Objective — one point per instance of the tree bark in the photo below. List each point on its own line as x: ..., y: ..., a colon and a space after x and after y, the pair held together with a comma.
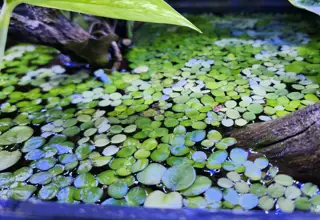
x: 292, y: 142
x: 51, y: 28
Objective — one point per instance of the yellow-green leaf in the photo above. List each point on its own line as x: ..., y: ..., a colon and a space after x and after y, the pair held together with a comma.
x: 310, y: 5
x: 156, y: 11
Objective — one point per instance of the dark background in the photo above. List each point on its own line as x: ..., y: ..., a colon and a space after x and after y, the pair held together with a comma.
x: 223, y: 6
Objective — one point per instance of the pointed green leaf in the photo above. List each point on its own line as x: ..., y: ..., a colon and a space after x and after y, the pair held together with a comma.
x: 156, y: 11
x: 310, y: 5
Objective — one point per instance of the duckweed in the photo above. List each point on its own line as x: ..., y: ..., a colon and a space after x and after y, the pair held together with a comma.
x: 157, y: 136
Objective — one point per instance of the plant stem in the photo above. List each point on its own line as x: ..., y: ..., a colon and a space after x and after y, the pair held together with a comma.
x: 5, y: 15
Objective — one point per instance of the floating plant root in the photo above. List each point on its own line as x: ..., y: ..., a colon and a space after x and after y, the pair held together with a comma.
x: 51, y: 28
x: 291, y: 142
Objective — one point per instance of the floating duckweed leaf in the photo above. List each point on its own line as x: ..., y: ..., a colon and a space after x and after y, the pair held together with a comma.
x: 216, y: 159
x: 71, y: 131
x: 248, y: 201
x: 161, y: 153
x: 302, y: 203
x: 85, y: 180
x: 22, y: 174
x: 253, y: 172
x: 255, y: 108
x: 136, y: 196
x: 225, y: 143
x: 195, y: 202
x: 179, y: 130
x: 238, y: 155
x: 45, y: 163
x: 83, y: 151
x: 225, y: 183
x: 119, y: 138
x: 139, y: 165
x: 71, y: 165
x: 283, y: 179
x: 233, y: 114
x: 200, y: 185
x: 207, y: 143
x: 48, y: 192
x: 152, y: 174
x: 107, y: 177
x: 171, y: 122
x: 309, y: 189
x: 149, y: 144
x: 295, y: 96
x: 276, y: 190
x: 258, y: 189
x: 261, y: 162
x: 231, y: 196
x: 8, y: 159
x: 198, y: 135
x: 234, y: 176
x: 110, y: 150
x: 22, y: 193
x: 241, y: 187
x: 90, y: 132
x: 286, y: 205
x: 115, y: 202
x: 266, y: 203
x: 143, y: 122
x: 230, y: 104
x: 115, y: 129
x: 214, y: 135
x: 118, y: 190
x: 158, y: 199
x: 227, y: 122
x: 100, y: 161
x: 179, y: 177
x: 67, y: 158
x: 84, y: 166
x: 213, y: 195
x: 292, y: 192
x: 16, y: 135
x: 249, y: 116
x: 241, y: 122
x: 33, y: 143
x: 6, y: 179
x: 130, y: 129
x: 229, y: 166
x: 141, y: 154
x: 199, y: 156
x: 273, y: 171
x: 315, y: 200
x: 41, y: 178
x: 70, y: 123
x: 91, y: 194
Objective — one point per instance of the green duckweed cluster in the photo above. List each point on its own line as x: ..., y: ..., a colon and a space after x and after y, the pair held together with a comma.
x: 154, y: 136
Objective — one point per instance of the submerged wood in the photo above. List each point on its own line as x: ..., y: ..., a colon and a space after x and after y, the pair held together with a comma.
x: 51, y: 28
x: 291, y: 142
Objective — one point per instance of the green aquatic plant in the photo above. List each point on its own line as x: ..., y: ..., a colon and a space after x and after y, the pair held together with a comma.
x: 157, y: 136
x: 140, y: 10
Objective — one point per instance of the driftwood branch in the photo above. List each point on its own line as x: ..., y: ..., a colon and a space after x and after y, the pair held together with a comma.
x: 291, y: 142
x: 50, y: 27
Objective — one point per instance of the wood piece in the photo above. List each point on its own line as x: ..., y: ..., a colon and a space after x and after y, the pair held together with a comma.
x: 51, y: 28
x: 291, y: 142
